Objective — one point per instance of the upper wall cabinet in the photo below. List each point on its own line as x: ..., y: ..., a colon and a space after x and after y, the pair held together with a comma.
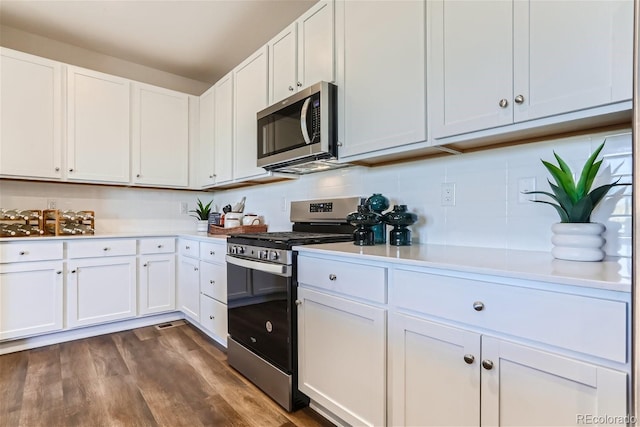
x: 495, y: 63
x: 223, y: 130
x: 98, y: 130
x: 206, y: 170
x: 303, y: 53
x: 30, y: 120
x: 160, y: 137
x: 380, y: 73
x: 250, y: 96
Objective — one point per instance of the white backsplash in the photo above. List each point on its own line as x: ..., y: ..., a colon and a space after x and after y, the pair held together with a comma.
x: 487, y: 212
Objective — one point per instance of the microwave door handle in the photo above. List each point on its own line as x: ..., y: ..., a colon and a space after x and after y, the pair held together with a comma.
x: 303, y: 121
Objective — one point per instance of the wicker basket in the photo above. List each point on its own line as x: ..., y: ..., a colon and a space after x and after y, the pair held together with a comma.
x: 214, y: 229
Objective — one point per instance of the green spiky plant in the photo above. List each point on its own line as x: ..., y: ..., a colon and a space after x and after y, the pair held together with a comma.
x: 575, y: 201
x: 202, y: 211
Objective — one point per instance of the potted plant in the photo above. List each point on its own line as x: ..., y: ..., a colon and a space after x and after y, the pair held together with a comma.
x: 201, y: 213
x: 575, y: 237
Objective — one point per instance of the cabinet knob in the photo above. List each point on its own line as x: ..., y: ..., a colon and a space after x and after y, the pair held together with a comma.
x: 291, y: 88
x: 298, y: 302
x: 210, y: 176
x: 478, y: 306
x: 23, y: 252
x: 212, y: 252
x: 339, y: 144
x: 195, y: 268
x: 73, y: 271
x: 71, y: 170
x: 299, y: 84
x: 332, y: 277
x: 187, y: 247
x: 57, y: 169
x: 487, y: 364
x: 503, y: 103
x: 159, y: 246
x: 105, y: 249
x: 58, y: 272
x: 145, y: 264
x: 211, y: 317
x: 137, y: 175
x: 213, y: 282
x: 468, y: 358
x: 519, y: 99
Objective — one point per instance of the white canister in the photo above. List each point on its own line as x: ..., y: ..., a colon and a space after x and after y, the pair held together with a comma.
x: 251, y: 219
x: 232, y: 219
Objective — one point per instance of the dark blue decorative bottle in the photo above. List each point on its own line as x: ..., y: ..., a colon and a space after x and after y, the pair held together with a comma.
x: 378, y: 203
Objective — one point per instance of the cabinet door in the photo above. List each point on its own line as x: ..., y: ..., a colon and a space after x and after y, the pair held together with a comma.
x: 30, y: 113
x: 189, y: 287
x: 31, y: 298
x: 214, y: 318
x: 213, y: 280
x: 160, y: 137
x: 380, y: 64
x: 206, y: 166
x: 341, y: 356
x: 471, y: 65
x: 282, y: 64
x: 157, y: 284
x: 525, y: 386
x: 97, y: 127
x: 316, y: 45
x: 571, y: 55
x: 435, y: 373
x: 100, y: 290
x: 223, y: 130
x: 250, y: 96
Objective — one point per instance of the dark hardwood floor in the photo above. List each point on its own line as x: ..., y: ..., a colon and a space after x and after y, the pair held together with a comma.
x: 144, y: 377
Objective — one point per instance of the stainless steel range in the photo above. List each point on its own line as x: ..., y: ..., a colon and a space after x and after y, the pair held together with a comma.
x: 262, y: 290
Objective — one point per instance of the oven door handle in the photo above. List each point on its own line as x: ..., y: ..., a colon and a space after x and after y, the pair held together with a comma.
x: 277, y: 269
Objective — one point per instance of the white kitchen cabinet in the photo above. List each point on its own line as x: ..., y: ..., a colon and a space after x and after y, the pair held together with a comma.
x: 495, y: 63
x: 31, y: 116
x: 213, y: 289
x: 213, y: 318
x: 223, y: 130
x: 160, y: 155
x: 206, y: 160
x: 380, y: 74
x: 303, y: 53
x: 100, y: 290
x: 189, y: 278
x: 157, y: 283
x: 250, y: 95
x: 98, y: 127
x: 31, y: 298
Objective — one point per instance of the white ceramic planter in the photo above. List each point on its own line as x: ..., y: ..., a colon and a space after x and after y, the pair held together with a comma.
x: 202, y: 225
x: 578, y: 241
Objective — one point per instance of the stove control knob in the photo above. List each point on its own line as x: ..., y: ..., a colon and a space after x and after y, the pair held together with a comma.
x: 273, y: 255
x: 263, y: 254
x: 240, y: 250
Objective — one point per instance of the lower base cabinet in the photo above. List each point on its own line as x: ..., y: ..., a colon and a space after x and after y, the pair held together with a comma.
x: 189, y: 287
x: 31, y: 298
x: 444, y: 375
x: 101, y: 290
x: 213, y: 317
x: 157, y: 283
x: 342, y: 356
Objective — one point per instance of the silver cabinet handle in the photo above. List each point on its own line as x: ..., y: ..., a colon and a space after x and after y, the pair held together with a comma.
x: 503, y: 103
x: 211, y: 317
x: 333, y: 277
x: 213, y: 282
x: 291, y: 88
x: 487, y: 364
x: 210, y: 176
x: 298, y: 302
x: 212, y: 253
x: 57, y: 169
x: 519, y: 99
x: 299, y: 84
x: 187, y: 247
x: 468, y: 358
x: 478, y: 306
x: 195, y: 268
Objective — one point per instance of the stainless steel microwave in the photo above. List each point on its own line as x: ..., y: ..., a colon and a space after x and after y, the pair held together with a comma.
x: 298, y: 134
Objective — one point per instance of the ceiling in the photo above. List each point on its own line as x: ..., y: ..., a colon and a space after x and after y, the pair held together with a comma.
x: 200, y: 40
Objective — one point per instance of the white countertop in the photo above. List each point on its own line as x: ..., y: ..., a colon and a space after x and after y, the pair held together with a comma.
x: 190, y: 234
x: 611, y: 274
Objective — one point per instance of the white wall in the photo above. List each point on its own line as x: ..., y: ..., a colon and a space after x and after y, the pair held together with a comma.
x: 487, y: 212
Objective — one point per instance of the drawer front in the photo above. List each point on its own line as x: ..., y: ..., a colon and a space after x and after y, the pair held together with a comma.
x: 189, y: 248
x: 214, y: 252
x: 101, y: 248
x: 213, y: 315
x: 357, y: 280
x: 157, y: 245
x: 213, y: 280
x: 583, y: 324
x: 30, y: 251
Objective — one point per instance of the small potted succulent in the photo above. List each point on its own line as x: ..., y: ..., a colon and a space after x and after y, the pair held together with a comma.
x: 201, y: 213
x: 575, y: 237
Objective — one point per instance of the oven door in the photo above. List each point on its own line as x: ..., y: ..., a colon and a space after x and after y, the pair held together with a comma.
x: 259, y: 300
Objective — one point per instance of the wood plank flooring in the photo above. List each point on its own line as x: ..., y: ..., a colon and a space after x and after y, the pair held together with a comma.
x: 144, y: 377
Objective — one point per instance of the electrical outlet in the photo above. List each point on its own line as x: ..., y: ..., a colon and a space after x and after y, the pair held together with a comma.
x: 448, y: 194
x: 52, y: 204
x: 184, y: 208
x: 525, y: 185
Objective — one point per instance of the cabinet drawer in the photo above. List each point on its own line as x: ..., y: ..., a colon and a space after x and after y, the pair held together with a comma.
x: 157, y: 245
x: 357, y: 280
x: 30, y: 251
x: 213, y: 251
x: 213, y: 280
x: 189, y: 248
x: 101, y: 248
x: 583, y: 324
x: 213, y: 316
